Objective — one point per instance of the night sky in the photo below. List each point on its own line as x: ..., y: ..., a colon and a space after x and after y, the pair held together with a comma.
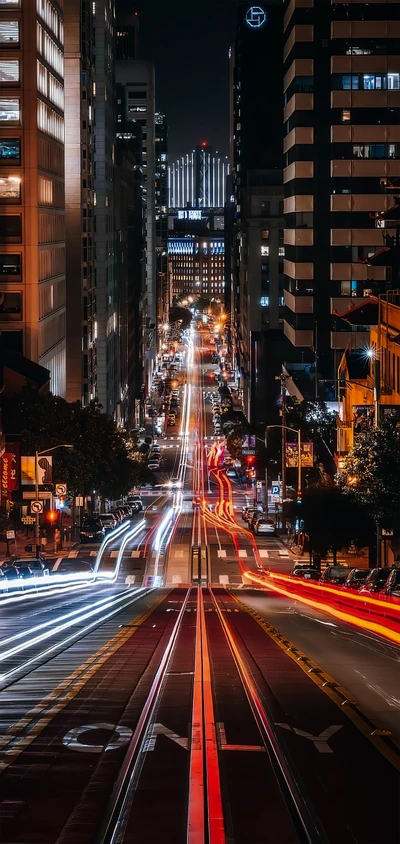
x: 188, y: 40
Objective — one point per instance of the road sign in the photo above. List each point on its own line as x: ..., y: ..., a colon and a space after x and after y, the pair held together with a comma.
x: 275, y: 489
x: 10, y: 534
x: 28, y: 520
x: 36, y: 507
x: 61, y: 489
x: 387, y: 532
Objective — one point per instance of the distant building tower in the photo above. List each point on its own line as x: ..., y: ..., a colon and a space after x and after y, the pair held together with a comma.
x: 198, y: 179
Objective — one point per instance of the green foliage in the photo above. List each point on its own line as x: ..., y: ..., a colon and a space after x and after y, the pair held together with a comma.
x: 234, y: 443
x: 317, y: 424
x: 371, y: 473
x: 102, y: 458
x: 333, y: 520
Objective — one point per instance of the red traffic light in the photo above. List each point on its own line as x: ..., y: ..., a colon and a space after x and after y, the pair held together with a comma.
x: 51, y: 516
x: 250, y: 458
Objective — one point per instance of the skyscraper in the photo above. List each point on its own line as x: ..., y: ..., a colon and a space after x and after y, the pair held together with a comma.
x: 342, y: 142
x: 198, y: 179
x: 32, y: 207
x: 79, y: 200
x: 161, y: 214
x: 254, y: 211
x: 137, y: 78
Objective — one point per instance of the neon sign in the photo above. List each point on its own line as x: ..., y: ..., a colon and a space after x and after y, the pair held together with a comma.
x: 256, y: 17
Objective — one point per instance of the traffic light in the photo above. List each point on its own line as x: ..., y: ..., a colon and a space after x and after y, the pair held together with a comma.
x: 250, y: 459
x: 51, y: 516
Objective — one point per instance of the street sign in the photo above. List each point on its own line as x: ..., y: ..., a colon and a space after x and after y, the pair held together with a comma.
x: 28, y: 520
x: 61, y: 489
x: 36, y: 507
x: 10, y: 534
x: 275, y: 489
x: 387, y: 532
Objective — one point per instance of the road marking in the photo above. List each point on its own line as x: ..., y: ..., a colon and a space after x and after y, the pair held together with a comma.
x: 120, y: 736
x: 73, y: 554
x: 263, y: 552
x: 130, y: 579
x: 283, y: 553
x: 221, y: 553
x: 224, y: 579
x: 93, y: 554
x: 114, y: 554
x: 223, y: 744
x: 135, y: 554
x: 242, y: 553
x: 61, y: 696
x: 321, y: 741
x: 179, y: 553
x: 160, y: 730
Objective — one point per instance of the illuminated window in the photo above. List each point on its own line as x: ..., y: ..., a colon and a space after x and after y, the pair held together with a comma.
x: 9, y: 71
x: 265, y: 234
x: 9, y: 110
x: 264, y: 301
x: 264, y: 251
x: 9, y: 33
x: 281, y: 252
x: 10, y: 189
x: 9, y: 150
x: 393, y: 81
x: 346, y: 116
x: 10, y: 264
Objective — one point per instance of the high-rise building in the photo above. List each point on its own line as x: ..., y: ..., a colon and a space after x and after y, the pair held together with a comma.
x: 198, y: 179
x: 79, y: 200
x: 32, y: 207
x: 196, y: 253
x: 254, y: 213
x: 342, y: 143
x: 137, y: 78
x: 161, y: 213
x: 103, y: 334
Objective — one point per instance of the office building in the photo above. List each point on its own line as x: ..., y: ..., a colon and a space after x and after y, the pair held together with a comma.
x: 196, y: 253
x: 80, y: 89
x: 161, y: 214
x: 198, y: 179
x: 254, y: 209
x: 137, y: 77
x: 342, y: 144
x: 32, y: 206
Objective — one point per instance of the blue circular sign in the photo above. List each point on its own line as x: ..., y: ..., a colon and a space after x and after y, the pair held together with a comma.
x: 256, y: 17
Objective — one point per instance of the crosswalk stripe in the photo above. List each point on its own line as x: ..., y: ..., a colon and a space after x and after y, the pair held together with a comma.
x: 264, y: 553
x: 135, y: 554
x: 243, y: 553
x: 221, y: 553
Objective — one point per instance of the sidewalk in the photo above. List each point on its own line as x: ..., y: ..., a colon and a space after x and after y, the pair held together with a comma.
x: 353, y: 561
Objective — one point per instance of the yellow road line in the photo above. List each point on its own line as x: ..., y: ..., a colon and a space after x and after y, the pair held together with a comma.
x: 337, y: 693
x: 65, y: 692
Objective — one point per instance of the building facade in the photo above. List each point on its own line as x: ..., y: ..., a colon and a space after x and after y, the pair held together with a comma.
x: 342, y: 136
x: 196, y: 253
x: 254, y: 209
x: 198, y: 179
x: 137, y: 77
x: 161, y: 214
x: 32, y: 203
x: 79, y: 201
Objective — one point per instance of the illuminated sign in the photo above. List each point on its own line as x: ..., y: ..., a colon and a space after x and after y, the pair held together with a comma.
x: 189, y: 215
x: 256, y: 17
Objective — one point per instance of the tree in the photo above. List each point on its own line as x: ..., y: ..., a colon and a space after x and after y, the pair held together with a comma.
x: 371, y: 472
x: 234, y: 443
x: 318, y: 425
x: 100, y: 459
x: 333, y: 520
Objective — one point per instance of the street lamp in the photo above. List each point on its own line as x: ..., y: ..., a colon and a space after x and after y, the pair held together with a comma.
x: 298, y: 432
x: 37, y: 455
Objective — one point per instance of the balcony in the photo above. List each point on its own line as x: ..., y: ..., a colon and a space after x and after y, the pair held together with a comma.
x: 299, y: 304
x: 298, y: 337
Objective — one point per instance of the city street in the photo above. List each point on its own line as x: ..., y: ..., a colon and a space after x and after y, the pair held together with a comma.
x: 166, y: 679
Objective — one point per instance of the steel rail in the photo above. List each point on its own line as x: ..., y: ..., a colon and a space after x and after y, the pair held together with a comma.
x: 303, y: 816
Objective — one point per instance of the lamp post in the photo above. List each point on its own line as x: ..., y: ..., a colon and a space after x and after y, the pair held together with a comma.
x: 37, y: 455
x: 298, y: 432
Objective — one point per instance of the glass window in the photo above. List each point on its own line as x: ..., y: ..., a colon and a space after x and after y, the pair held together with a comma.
x: 264, y: 301
x: 9, y: 3
x: 346, y: 116
x: 281, y: 252
x: 265, y: 206
x: 10, y: 189
x: 10, y: 303
x: 369, y: 82
x: 345, y: 289
x: 9, y: 71
x: 10, y: 228
x: 9, y: 150
x: 265, y: 234
x: 10, y: 264
x: 350, y: 82
x: 9, y: 33
x: 264, y: 251
x: 9, y: 110
x: 393, y: 80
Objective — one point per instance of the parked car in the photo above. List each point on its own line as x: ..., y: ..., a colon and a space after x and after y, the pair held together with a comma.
x: 298, y: 567
x: 248, y: 511
x: 231, y: 473
x: 108, y: 521
x: 91, y: 530
x: 171, y: 420
x: 264, y: 526
x: 13, y: 575
x: 335, y: 575
x: 356, y: 578
x: 392, y: 587
x: 376, y: 581
x: 154, y: 465
x: 307, y: 573
x: 135, y: 502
